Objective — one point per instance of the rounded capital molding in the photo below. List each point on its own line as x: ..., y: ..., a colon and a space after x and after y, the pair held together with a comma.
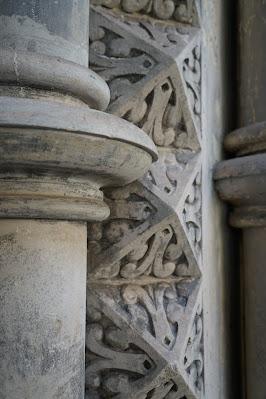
x: 55, y: 158
x: 241, y: 181
x: 247, y: 140
x: 55, y: 115
x: 58, y: 148
x: 25, y: 68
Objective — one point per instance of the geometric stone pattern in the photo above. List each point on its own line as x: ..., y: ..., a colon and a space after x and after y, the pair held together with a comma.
x: 141, y: 343
x: 176, y: 10
x: 144, y: 311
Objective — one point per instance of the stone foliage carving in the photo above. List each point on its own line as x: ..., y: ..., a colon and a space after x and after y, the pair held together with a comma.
x: 178, y: 10
x: 144, y: 313
x: 193, y: 359
x: 116, y: 57
x: 173, y: 173
x: 147, y: 86
x: 160, y: 114
x: 137, y: 341
x: 142, y: 238
x: 168, y: 38
x: 192, y: 213
x: 192, y: 76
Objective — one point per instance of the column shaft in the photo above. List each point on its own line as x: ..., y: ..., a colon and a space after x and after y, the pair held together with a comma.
x: 42, y: 309
x: 51, y: 27
x: 252, y: 98
x: 254, y: 290
x: 251, y: 61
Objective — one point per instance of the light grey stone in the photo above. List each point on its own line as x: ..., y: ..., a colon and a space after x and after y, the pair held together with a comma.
x: 42, y: 309
x: 60, y: 28
x: 31, y: 69
x: 56, y: 155
x: 157, y: 91
x: 144, y: 311
x: 220, y: 276
x: 141, y: 343
x: 182, y: 11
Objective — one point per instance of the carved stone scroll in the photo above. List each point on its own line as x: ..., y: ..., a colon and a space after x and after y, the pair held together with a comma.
x: 177, y: 10
x: 148, y: 87
x: 144, y: 311
x: 140, y: 341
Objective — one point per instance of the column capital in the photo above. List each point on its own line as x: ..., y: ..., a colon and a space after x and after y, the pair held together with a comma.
x: 241, y: 181
x: 55, y: 157
x: 57, y: 146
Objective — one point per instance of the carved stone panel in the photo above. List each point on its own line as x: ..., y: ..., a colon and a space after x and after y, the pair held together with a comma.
x: 176, y: 10
x: 143, y: 238
x: 140, y: 341
x: 144, y: 310
x: 157, y: 91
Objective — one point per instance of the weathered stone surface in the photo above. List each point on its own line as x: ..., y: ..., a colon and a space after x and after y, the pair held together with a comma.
x: 254, y: 311
x: 140, y: 342
x: 182, y: 11
x: 29, y: 69
x: 144, y: 310
x: 157, y: 90
x: 242, y: 182
x: 56, y: 155
x: 42, y: 309
x: 46, y: 46
x: 142, y: 237
x: 56, y: 28
x: 246, y: 140
x: 219, y: 244
x: 74, y: 157
x: 45, y: 97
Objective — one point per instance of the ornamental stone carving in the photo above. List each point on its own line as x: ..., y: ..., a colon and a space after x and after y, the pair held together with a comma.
x: 177, y: 10
x: 144, y: 307
x: 140, y: 342
x: 148, y: 87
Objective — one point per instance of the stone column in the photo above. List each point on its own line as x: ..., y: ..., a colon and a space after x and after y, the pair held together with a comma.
x: 56, y: 153
x: 42, y: 307
x: 242, y: 182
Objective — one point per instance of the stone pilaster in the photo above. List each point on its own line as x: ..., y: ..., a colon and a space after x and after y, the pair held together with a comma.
x: 57, y: 150
x: 241, y: 181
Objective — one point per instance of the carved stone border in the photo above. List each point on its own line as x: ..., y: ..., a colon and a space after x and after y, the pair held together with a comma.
x: 144, y: 311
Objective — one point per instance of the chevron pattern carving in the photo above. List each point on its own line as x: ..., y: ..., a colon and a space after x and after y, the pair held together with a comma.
x: 144, y: 310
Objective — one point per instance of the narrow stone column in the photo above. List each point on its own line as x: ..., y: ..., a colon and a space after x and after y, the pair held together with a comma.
x: 56, y: 153
x: 242, y: 182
